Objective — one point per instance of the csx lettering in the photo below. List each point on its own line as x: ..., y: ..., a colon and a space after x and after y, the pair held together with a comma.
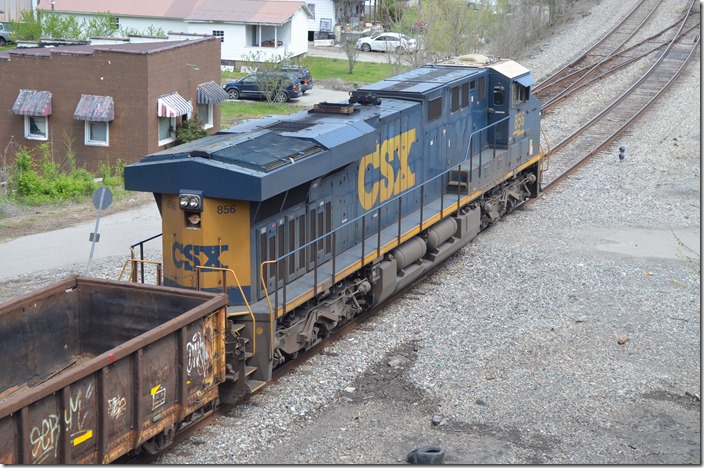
x: 387, y: 169
x: 190, y: 256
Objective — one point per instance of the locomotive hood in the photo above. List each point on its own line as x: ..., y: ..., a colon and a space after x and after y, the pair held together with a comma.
x: 257, y: 160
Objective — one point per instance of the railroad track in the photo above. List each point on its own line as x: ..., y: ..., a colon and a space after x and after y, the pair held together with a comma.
x: 560, y: 83
x: 602, y: 129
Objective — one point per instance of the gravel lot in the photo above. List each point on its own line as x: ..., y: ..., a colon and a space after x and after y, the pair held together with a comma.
x: 567, y: 333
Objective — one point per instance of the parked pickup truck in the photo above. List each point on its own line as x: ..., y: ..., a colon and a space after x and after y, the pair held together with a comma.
x: 5, y: 32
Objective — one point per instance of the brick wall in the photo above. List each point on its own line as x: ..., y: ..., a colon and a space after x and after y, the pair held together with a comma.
x: 132, y: 78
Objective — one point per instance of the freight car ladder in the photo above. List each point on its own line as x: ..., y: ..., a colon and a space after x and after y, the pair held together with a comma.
x: 241, y: 344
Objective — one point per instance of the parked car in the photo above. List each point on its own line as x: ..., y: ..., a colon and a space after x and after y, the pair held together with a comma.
x: 280, y: 86
x: 304, y: 76
x: 387, y: 42
x: 5, y: 33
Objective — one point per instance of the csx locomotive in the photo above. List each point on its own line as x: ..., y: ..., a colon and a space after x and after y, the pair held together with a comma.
x: 306, y: 220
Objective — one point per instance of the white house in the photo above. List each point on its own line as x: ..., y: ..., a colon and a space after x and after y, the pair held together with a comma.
x: 267, y: 29
x: 324, y: 18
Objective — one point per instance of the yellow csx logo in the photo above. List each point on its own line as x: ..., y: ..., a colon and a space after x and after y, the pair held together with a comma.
x: 387, y: 170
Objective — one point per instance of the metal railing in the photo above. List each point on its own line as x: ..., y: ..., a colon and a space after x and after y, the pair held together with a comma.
x: 469, y: 156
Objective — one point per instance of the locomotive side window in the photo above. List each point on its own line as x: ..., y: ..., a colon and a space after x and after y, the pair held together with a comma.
x: 434, y: 109
x: 499, y: 94
x: 520, y: 93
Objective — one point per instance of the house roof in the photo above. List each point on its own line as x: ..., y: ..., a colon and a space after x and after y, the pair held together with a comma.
x: 274, y: 12
x: 141, y: 48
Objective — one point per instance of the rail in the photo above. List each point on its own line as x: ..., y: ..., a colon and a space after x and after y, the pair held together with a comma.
x: 249, y: 312
x: 469, y: 156
x: 632, y: 102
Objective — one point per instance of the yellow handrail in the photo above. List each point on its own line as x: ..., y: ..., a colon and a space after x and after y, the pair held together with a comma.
x: 133, y: 272
x: 224, y: 289
x: 268, y: 300
x: 546, y: 157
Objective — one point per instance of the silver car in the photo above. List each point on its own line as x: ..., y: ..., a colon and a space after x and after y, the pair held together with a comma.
x: 387, y: 42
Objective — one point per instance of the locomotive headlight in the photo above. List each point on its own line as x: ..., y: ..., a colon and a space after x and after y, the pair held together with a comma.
x: 189, y: 201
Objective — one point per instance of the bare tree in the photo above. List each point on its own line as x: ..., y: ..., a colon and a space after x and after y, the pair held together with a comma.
x: 351, y: 51
x: 271, y: 81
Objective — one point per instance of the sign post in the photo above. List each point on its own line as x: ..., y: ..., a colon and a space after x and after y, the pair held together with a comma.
x: 102, y: 198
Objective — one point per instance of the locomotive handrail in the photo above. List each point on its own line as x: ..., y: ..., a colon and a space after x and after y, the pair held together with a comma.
x: 141, y: 261
x: 272, y: 318
x: 141, y: 251
x: 224, y: 290
x: 468, y: 157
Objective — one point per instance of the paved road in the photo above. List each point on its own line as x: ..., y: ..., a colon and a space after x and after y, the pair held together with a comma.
x: 69, y: 246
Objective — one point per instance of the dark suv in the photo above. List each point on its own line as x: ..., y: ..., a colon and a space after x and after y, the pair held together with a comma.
x: 304, y: 76
x: 280, y: 86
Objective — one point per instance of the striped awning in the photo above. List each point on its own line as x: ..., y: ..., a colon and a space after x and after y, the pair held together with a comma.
x: 34, y: 103
x: 95, y: 108
x: 211, y: 93
x: 173, y: 105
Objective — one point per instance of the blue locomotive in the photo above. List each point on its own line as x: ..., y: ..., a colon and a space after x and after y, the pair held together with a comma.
x: 309, y: 219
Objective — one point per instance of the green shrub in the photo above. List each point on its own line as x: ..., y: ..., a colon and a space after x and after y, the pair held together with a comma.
x: 45, y: 182
x: 190, y: 130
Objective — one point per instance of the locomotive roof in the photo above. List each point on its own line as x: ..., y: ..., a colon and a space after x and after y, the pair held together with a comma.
x: 261, y: 158
x: 420, y: 82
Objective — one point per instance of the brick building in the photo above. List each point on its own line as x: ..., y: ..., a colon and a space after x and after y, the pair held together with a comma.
x: 108, y: 102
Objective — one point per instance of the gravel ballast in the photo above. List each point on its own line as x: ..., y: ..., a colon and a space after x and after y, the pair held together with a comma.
x: 569, y: 332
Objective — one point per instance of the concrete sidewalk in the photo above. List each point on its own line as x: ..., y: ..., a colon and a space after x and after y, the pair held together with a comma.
x: 70, y: 246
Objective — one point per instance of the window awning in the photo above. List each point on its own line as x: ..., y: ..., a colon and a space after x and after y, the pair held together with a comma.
x: 525, y: 80
x: 173, y: 105
x: 95, y: 108
x: 211, y: 93
x: 34, y: 103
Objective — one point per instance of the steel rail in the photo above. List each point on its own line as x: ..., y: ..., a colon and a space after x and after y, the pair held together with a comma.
x: 602, y: 129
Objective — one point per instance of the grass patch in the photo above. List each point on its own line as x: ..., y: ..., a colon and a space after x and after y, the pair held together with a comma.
x: 238, y: 110
x: 364, y: 72
x: 326, y: 68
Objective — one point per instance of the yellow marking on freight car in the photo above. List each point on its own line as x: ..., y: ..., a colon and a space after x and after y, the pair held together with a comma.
x: 155, y: 389
x: 83, y: 438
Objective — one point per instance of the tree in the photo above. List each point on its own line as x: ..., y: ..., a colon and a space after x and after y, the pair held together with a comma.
x: 271, y: 81
x: 351, y: 51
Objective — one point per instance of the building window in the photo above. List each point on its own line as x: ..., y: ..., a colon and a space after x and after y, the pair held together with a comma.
x: 220, y: 34
x: 205, y: 115
x: 167, y: 129
x: 97, y: 133
x: 36, y: 128
x: 311, y: 7
x: 115, y: 22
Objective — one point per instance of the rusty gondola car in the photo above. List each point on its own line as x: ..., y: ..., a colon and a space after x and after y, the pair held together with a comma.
x: 96, y: 369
